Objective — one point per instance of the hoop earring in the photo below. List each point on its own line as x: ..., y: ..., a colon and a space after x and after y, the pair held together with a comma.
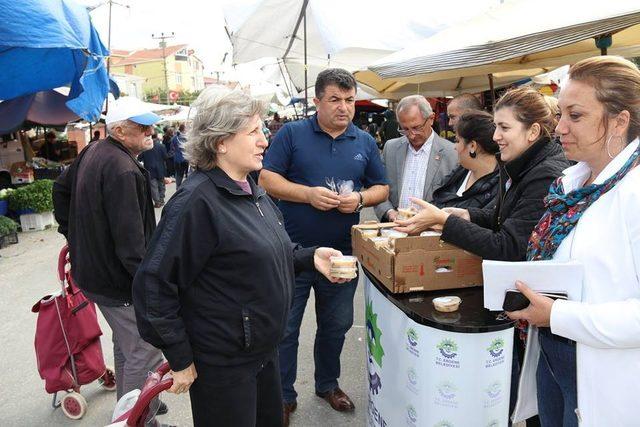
x: 473, y: 154
x: 611, y: 156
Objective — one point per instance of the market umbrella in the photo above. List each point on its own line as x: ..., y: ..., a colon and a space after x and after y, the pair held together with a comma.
x: 310, y: 35
x: 49, y: 44
x: 46, y: 108
x: 508, y: 43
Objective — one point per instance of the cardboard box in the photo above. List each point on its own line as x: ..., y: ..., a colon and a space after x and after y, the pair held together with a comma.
x: 21, y: 173
x: 417, y: 263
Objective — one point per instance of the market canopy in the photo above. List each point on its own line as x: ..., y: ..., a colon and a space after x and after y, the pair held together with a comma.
x: 512, y: 41
x: 50, y: 44
x: 339, y: 33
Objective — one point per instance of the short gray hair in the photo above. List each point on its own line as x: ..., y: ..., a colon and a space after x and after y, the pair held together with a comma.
x: 220, y: 113
x: 411, y: 100
x: 113, y: 125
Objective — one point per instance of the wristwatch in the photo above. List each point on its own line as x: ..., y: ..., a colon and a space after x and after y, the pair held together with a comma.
x: 360, y: 203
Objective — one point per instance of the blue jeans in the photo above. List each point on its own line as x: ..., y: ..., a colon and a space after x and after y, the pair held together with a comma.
x: 334, y: 317
x: 556, y: 380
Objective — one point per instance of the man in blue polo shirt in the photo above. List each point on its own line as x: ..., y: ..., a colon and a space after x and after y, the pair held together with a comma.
x: 303, y: 157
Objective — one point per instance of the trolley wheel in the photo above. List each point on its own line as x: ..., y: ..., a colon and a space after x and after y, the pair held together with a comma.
x: 74, y: 405
x: 108, y: 380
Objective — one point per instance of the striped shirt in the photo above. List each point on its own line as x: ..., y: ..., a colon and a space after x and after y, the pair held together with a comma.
x: 415, y: 172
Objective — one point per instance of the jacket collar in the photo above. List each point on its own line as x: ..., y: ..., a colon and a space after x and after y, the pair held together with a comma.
x: 519, y: 167
x: 222, y: 180
x: 349, y: 132
x: 119, y: 145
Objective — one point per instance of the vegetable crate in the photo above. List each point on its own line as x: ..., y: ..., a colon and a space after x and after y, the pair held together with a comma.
x: 36, y: 221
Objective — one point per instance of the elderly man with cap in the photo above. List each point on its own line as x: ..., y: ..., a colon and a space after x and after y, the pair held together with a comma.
x: 104, y: 208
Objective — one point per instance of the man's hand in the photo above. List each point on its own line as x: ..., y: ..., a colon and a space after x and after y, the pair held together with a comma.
x: 427, y: 217
x: 392, y: 214
x: 322, y: 262
x: 539, y: 311
x: 322, y: 198
x: 349, y: 202
x: 182, y: 380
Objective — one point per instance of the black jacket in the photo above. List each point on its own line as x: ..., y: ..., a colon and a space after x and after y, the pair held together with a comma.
x: 155, y: 160
x: 103, y: 205
x: 481, y: 194
x: 216, y: 284
x: 501, y: 232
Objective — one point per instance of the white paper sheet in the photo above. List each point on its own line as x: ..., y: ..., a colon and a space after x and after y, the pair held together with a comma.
x: 550, y: 276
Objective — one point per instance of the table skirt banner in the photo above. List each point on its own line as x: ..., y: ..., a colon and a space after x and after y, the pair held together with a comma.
x: 423, y: 376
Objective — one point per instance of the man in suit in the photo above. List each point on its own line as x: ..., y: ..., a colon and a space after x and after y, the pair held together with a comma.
x: 418, y: 161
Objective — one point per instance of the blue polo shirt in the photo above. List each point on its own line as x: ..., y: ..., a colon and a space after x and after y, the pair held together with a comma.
x: 304, y: 154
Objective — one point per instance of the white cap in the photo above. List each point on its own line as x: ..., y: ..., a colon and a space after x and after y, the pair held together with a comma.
x: 130, y: 108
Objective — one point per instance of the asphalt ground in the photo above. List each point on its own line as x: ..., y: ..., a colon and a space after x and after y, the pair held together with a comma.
x: 28, y: 272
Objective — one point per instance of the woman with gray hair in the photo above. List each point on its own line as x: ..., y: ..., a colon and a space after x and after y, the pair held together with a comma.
x: 214, y: 289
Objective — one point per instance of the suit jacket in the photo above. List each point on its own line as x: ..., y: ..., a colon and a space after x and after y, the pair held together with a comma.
x: 442, y: 160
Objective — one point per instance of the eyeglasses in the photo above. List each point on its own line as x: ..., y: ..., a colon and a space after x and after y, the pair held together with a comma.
x: 139, y: 127
x: 413, y: 130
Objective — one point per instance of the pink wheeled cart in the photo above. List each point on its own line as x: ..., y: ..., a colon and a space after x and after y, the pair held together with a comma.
x: 67, y: 343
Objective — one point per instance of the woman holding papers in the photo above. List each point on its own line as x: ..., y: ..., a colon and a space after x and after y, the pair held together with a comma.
x: 588, y: 366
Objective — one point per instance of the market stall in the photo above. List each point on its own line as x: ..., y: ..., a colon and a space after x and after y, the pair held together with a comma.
x: 431, y: 368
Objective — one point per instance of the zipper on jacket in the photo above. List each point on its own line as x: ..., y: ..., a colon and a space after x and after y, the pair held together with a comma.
x: 504, y: 195
x: 259, y: 210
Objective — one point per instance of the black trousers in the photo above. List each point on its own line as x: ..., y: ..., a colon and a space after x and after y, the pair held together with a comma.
x: 246, y: 395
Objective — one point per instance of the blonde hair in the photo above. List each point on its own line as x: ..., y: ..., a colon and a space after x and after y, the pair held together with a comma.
x: 617, y: 85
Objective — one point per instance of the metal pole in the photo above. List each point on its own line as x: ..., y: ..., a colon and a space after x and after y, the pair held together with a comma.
x: 306, y: 97
x: 493, y: 94
x: 163, y: 45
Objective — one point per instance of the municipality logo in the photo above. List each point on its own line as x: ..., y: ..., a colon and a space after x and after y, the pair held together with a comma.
x: 412, y: 337
x: 412, y: 342
x: 374, y: 347
x: 412, y: 414
x: 412, y: 377
x: 359, y: 157
x: 496, y: 348
x: 448, y: 348
x: 447, y: 391
x: 494, y: 390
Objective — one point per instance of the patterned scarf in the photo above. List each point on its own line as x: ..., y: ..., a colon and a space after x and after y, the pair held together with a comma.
x: 564, y: 212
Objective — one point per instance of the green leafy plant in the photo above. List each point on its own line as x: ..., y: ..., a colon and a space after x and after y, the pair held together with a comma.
x: 37, y: 197
x: 7, y: 226
x: 5, y: 193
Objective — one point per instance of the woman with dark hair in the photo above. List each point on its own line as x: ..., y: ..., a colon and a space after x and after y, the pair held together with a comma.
x: 528, y: 165
x: 474, y: 184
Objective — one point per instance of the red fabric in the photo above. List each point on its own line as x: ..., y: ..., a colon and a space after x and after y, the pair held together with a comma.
x: 71, y: 314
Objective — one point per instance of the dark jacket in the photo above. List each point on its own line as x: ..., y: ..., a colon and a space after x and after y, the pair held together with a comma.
x: 154, y: 160
x: 216, y: 284
x: 103, y: 205
x: 501, y: 232
x: 481, y: 194
x: 177, y: 146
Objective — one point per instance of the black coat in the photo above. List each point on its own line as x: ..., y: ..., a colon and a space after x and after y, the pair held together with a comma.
x: 481, y: 194
x: 103, y: 205
x: 501, y: 232
x: 216, y: 284
x: 155, y: 160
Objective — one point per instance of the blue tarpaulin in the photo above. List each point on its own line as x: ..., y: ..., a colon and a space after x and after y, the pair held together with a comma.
x: 46, y: 44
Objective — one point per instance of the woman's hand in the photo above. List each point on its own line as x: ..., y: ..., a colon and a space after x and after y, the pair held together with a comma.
x: 462, y: 213
x: 538, y: 313
x: 427, y: 217
x: 322, y: 262
x: 182, y: 380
